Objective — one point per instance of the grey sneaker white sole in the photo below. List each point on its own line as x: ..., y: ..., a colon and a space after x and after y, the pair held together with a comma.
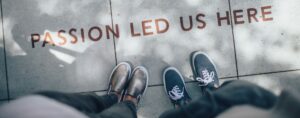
x: 194, y: 54
x: 164, y: 79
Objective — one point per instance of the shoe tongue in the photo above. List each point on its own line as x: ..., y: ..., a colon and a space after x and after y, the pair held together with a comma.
x: 202, y: 70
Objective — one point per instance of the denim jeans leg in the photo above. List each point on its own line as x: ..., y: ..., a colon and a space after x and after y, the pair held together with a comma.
x: 124, y: 109
x: 228, y: 95
x: 89, y: 103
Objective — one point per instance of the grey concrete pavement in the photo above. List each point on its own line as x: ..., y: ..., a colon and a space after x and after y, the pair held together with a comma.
x: 264, y: 51
x: 267, y: 45
x: 73, y: 67
x: 3, y: 87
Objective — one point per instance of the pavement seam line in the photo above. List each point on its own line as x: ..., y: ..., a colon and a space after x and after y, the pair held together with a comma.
x: 4, y: 50
x: 233, y: 39
x: 113, y: 28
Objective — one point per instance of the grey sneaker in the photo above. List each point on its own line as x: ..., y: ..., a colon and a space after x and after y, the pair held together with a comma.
x: 138, y: 83
x: 175, y: 87
x: 119, y: 78
x: 204, y: 70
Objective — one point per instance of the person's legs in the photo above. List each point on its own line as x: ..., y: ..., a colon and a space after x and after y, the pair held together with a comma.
x: 93, y: 104
x: 135, y: 90
x: 88, y: 103
x: 228, y: 95
x: 126, y: 109
x: 217, y: 99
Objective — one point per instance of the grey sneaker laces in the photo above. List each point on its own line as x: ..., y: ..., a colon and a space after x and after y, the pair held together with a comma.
x: 208, y: 77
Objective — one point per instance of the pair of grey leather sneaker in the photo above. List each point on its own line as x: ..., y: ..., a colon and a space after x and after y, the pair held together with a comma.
x: 126, y: 82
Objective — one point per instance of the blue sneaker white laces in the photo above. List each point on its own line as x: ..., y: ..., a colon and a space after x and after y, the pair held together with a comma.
x: 208, y: 77
x: 176, y: 93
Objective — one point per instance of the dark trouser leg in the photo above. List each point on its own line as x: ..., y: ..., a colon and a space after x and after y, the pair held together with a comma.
x: 84, y: 103
x: 124, y: 109
x: 229, y: 94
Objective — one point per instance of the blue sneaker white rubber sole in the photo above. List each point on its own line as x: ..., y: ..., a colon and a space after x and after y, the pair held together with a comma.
x: 186, y: 96
x: 207, y: 64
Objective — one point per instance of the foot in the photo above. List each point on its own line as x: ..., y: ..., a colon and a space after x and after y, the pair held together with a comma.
x: 204, y: 70
x: 175, y: 87
x: 137, y: 85
x: 118, y: 79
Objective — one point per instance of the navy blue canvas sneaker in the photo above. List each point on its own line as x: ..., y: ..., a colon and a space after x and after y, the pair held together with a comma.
x: 204, y: 70
x: 175, y: 87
